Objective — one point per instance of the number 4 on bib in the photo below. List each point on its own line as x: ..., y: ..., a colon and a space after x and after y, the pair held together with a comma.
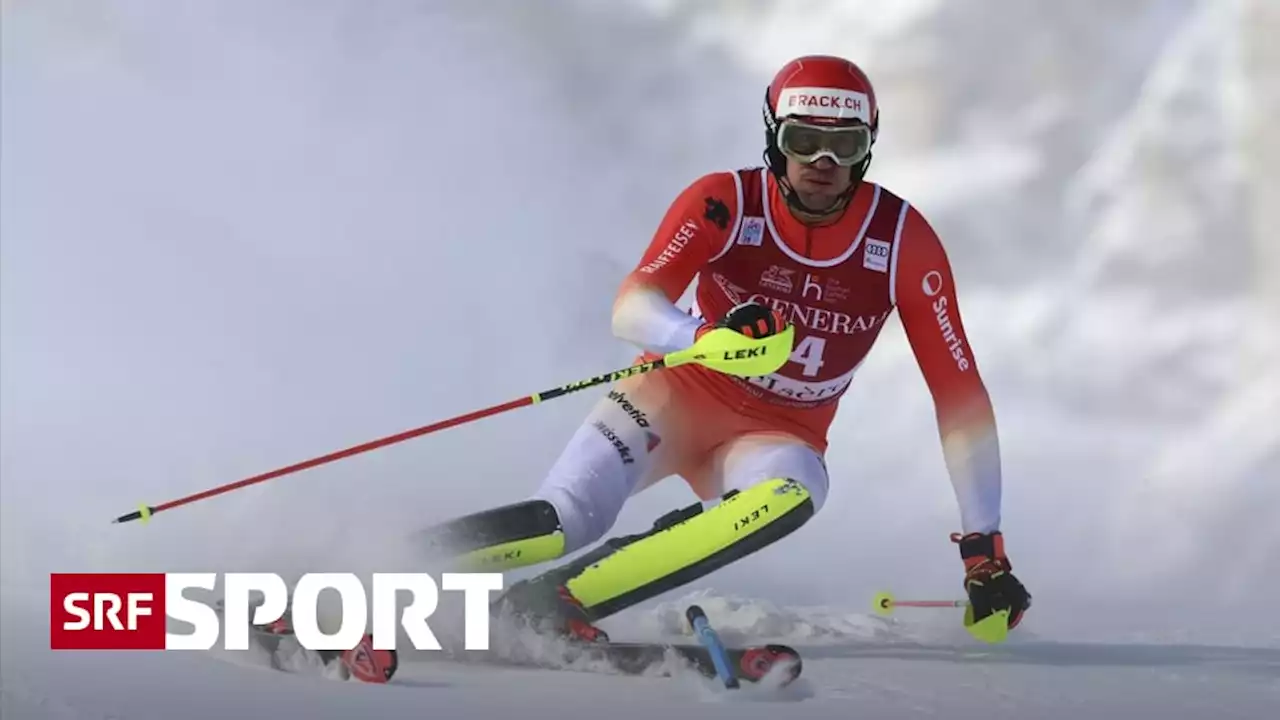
x: 809, y: 354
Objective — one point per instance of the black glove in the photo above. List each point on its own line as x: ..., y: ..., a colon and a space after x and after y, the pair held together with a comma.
x: 988, y: 577
x: 751, y: 319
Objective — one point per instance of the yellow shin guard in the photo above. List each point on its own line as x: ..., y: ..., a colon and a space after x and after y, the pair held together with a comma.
x: 503, y: 538
x: 683, y: 546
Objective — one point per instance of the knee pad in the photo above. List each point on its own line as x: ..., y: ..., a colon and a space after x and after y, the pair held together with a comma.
x: 755, y: 458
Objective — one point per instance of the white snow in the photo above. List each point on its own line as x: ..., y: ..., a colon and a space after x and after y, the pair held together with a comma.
x: 238, y: 235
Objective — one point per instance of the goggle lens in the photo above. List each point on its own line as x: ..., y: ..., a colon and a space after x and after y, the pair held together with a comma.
x: 845, y: 145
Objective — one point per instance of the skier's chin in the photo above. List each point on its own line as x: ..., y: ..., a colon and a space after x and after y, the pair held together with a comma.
x: 818, y: 188
x: 819, y: 196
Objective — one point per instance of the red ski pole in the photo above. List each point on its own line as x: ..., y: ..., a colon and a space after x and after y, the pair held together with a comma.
x: 722, y: 350
x: 145, y: 512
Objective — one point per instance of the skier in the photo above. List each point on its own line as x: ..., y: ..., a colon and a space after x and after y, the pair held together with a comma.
x: 804, y: 240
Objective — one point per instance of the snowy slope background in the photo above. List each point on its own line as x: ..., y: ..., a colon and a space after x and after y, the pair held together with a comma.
x: 239, y: 234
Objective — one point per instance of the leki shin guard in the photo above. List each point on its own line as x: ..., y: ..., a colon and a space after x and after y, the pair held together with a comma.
x: 499, y: 539
x: 682, y: 546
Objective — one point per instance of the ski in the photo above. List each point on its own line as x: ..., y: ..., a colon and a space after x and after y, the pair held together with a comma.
x: 708, y: 657
x: 732, y: 665
x: 711, y: 657
x: 748, y: 663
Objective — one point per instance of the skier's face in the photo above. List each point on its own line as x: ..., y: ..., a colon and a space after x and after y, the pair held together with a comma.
x: 820, y: 183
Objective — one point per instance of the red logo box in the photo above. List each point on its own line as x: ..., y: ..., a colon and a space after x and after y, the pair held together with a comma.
x: 106, y: 611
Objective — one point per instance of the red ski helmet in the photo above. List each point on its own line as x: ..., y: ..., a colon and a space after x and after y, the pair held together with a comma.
x: 817, y: 92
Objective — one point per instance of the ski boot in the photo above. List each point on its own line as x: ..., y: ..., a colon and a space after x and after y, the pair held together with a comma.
x: 366, y: 664
x: 546, y: 606
x: 361, y: 662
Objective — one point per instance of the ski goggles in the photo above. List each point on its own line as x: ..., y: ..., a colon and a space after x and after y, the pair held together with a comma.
x: 805, y: 143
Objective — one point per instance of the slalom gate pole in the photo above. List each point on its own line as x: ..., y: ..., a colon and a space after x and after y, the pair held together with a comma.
x: 722, y: 350
x: 885, y: 603
x: 711, y: 641
x: 931, y: 603
x: 992, y: 629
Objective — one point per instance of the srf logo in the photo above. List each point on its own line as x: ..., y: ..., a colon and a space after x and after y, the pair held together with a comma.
x: 122, y: 611
x: 106, y: 611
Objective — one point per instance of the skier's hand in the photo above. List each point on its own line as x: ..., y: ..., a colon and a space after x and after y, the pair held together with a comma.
x: 751, y: 319
x: 988, y: 577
